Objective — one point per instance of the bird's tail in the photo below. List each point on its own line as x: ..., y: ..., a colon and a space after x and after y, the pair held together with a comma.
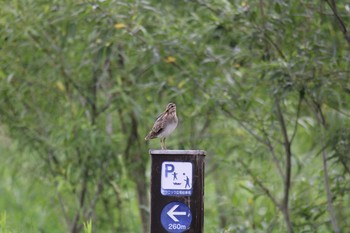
x: 149, y: 136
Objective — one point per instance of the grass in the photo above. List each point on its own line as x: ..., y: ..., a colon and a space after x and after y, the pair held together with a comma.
x: 27, y: 203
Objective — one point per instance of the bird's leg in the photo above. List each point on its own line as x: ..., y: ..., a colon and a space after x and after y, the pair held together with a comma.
x: 164, y: 143
x: 161, y: 143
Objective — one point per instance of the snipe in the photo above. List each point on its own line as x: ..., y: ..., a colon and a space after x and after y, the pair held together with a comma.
x: 164, y: 125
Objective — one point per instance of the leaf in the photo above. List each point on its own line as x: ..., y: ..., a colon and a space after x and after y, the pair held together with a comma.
x: 119, y: 26
x: 88, y: 226
x: 182, y: 83
x: 250, y: 201
x: 278, y: 8
x: 60, y: 86
x: 170, y: 59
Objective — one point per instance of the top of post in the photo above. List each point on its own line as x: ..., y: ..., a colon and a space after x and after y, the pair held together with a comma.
x: 177, y: 152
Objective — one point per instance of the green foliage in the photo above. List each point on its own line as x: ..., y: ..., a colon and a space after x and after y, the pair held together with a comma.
x: 262, y: 86
x: 3, y: 219
x: 88, y: 227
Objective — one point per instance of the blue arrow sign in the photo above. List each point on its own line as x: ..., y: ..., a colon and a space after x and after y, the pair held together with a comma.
x: 176, y: 217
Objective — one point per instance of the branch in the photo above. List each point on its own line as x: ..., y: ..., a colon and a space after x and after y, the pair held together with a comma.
x: 321, y: 119
x: 249, y: 130
x: 301, y: 97
x: 266, y: 141
x: 65, y: 215
x: 287, y: 180
x: 341, y: 23
x: 346, y: 114
x: 75, y: 224
x: 63, y: 70
x: 261, y: 7
x: 261, y: 185
x: 274, y: 156
x: 99, y: 189
x: 206, y: 5
x: 278, y: 49
x: 345, y: 165
x: 207, y: 123
x: 329, y: 193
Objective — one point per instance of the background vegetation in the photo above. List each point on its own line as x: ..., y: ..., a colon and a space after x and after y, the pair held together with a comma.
x: 262, y: 86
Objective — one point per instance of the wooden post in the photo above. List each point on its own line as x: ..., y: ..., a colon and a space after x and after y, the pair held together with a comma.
x: 177, y: 190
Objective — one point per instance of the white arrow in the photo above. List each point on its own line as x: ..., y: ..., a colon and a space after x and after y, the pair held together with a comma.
x: 172, y: 213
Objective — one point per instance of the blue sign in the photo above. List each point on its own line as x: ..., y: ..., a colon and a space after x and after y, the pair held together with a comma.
x: 176, y: 217
x: 176, y: 178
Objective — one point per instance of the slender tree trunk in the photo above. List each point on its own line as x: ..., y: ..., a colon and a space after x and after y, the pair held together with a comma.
x: 142, y: 194
x: 288, y: 172
x: 329, y: 194
x: 135, y: 157
x: 221, y: 209
x: 321, y: 119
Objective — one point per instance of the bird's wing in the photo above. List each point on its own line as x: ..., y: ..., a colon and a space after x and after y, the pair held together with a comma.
x: 159, y: 124
x: 160, y: 115
x: 157, y: 127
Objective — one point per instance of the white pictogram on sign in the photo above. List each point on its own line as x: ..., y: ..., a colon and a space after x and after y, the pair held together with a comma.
x: 176, y: 179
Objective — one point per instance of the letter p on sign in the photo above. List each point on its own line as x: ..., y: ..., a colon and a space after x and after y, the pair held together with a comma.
x: 169, y: 168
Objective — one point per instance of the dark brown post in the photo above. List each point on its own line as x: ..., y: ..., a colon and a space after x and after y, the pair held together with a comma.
x: 177, y: 190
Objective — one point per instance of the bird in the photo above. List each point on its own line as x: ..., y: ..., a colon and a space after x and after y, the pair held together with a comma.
x: 164, y: 125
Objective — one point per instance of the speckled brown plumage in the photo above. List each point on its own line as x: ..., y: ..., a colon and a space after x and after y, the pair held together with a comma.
x: 164, y: 125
